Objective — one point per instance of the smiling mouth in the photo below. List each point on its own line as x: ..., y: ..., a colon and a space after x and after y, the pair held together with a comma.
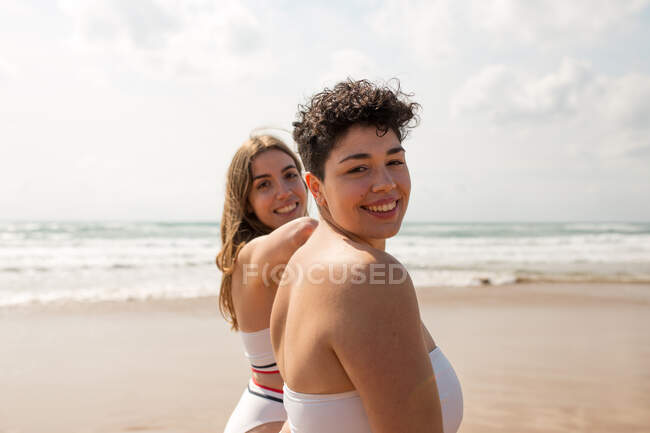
x: 286, y: 209
x: 384, y: 208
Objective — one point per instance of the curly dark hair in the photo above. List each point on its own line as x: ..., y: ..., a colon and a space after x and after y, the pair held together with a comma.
x: 328, y: 115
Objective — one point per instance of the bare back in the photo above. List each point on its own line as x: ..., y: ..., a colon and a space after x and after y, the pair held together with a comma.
x: 306, y: 318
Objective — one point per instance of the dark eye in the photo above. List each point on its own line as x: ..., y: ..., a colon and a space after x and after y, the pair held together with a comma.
x: 291, y: 175
x: 359, y: 169
x: 395, y: 162
x: 263, y: 185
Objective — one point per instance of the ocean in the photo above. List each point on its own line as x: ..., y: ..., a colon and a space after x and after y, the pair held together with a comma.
x: 48, y: 262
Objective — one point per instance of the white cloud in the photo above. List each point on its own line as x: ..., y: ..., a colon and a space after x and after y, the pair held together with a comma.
x: 422, y: 28
x: 612, y: 111
x: 627, y: 100
x: 95, y: 77
x: 7, y: 70
x: 507, y: 95
x: 349, y: 63
x: 622, y: 111
x: 515, y: 21
x: 15, y: 7
x: 166, y: 38
x: 431, y: 30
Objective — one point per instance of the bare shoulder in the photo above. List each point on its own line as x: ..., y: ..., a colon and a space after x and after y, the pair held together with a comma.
x: 365, y: 270
x: 375, y: 330
x: 368, y: 286
x: 244, y: 255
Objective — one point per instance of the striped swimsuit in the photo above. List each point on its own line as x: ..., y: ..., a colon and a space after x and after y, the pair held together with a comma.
x: 258, y: 404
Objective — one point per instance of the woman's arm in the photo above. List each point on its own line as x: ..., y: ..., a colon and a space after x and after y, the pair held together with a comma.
x: 376, y: 334
x: 266, y: 252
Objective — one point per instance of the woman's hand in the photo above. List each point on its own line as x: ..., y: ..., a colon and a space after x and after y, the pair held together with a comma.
x: 261, y: 255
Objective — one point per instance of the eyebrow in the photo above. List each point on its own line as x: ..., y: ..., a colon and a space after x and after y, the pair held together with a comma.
x: 367, y: 155
x: 259, y: 176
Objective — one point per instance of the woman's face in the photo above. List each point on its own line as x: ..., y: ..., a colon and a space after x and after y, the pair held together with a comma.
x: 367, y: 184
x: 277, y: 195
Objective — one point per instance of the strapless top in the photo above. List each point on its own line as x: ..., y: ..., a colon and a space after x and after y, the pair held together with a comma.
x: 344, y: 412
x: 259, y: 352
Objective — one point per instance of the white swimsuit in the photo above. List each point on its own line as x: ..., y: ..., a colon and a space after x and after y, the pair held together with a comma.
x: 258, y: 404
x: 344, y: 412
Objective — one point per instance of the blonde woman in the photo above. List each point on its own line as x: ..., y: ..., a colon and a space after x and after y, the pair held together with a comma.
x: 264, y: 221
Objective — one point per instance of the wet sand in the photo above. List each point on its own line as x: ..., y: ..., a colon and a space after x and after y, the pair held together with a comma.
x: 531, y: 358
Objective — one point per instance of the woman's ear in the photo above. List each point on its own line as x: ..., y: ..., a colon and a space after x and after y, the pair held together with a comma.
x: 315, y: 186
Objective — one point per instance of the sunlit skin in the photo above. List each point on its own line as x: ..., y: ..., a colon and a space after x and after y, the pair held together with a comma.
x: 365, y: 169
x: 276, y: 188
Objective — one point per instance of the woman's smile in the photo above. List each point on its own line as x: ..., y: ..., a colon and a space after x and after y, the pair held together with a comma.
x: 287, y: 209
x: 384, y: 209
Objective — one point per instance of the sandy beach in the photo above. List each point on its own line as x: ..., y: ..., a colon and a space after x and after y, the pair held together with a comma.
x: 531, y: 358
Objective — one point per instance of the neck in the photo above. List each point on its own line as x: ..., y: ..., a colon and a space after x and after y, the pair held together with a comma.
x: 379, y: 244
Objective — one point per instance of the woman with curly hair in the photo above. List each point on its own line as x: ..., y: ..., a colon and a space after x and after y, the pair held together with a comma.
x: 263, y: 223
x: 346, y: 328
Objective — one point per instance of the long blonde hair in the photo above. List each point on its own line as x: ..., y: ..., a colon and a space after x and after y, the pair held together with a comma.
x: 238, y: 226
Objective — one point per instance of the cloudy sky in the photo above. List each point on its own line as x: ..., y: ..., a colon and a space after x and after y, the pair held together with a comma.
x: 131, y: 109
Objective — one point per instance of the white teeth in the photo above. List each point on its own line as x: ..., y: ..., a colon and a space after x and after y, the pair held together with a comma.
x: 287, y: 209
x: 383, y: 208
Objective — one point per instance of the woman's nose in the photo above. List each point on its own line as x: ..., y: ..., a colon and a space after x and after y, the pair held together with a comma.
x: 283, y: 192
x: 384, y: 183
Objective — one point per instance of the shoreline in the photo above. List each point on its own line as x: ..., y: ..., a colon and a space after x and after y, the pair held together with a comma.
x: 635, y: 292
